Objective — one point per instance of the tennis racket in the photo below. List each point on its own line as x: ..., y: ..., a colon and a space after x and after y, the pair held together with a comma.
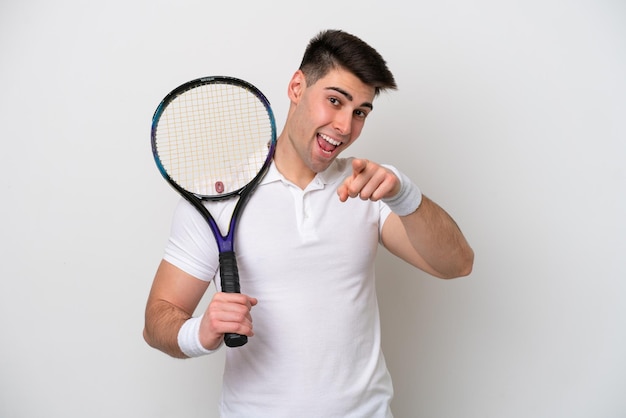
x: 213, y: 138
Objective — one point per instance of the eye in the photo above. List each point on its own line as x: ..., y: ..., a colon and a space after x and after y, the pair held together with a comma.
x: 361, y: 114
x: 335, y: 101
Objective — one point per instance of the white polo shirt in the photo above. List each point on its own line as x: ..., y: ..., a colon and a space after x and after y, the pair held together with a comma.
x: 309, y: 260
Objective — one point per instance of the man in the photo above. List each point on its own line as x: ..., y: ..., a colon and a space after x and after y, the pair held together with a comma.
x: 306, y: 247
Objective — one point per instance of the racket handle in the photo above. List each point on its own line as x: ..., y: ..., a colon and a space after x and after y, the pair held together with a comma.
x: 229, y: 274
x: 234, y: 340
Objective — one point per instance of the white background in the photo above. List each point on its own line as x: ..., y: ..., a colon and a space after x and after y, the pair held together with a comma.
x: 510, y: 114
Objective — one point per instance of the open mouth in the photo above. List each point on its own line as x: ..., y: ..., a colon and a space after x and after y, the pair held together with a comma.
x: 327, y: 144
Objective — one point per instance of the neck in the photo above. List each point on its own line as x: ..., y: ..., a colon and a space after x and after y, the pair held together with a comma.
x: 290, y: 165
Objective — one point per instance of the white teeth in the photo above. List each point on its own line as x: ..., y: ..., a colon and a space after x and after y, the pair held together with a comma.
x: 330, y: 140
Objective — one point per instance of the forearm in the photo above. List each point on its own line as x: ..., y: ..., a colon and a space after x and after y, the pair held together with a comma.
x: 162, y: 323
x: 437, y: 238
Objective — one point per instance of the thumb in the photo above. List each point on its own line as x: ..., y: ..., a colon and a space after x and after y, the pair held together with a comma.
x: 358, y: 165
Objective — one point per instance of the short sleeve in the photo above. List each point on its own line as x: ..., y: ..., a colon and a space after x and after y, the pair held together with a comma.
x: 191, y: 246
x: 384, y: 213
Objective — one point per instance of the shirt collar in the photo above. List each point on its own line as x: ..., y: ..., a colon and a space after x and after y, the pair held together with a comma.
x: 330, y: 175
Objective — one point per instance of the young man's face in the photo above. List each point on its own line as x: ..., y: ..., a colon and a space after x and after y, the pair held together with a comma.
x: 328, y: 116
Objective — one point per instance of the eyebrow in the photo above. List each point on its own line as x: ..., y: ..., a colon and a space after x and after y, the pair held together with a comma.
x: 349, y: 96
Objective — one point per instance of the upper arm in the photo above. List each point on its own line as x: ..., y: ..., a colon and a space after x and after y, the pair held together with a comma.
x: 177, y: 288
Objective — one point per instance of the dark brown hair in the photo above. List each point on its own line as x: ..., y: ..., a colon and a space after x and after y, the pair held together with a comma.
x: 338, y: 49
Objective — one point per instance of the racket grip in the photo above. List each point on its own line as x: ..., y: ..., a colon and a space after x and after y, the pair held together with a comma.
x: 229, y: 274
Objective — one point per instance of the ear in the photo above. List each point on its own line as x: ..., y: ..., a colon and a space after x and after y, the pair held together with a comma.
x: 296, y: 86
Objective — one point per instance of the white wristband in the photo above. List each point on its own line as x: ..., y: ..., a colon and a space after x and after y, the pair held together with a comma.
x: 189, y: 339
x: 408, y: 198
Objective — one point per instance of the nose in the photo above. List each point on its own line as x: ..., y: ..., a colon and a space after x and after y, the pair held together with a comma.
x: 343, y: 122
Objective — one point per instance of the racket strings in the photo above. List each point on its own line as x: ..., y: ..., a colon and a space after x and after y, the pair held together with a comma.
x: 213, y: 139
